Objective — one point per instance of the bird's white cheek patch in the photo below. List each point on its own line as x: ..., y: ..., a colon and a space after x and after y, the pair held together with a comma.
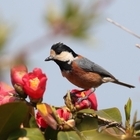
x: 65, y: 56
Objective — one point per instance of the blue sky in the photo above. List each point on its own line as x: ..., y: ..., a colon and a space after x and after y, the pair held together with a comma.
x: 110, y: 47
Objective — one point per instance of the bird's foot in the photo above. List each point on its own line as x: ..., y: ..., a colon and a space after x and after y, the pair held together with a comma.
x: 81, y: 99
x: 85, y: 97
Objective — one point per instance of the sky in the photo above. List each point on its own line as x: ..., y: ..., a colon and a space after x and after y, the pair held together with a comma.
x: 110, y: 47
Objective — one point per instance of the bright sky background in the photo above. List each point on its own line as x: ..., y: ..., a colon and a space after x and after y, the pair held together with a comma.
x: 113, y: 49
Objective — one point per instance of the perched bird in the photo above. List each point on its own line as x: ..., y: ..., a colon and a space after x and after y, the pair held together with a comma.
x: 79, y: 70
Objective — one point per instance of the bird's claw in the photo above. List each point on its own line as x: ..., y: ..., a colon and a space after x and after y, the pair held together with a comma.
x: 85, y: 97
x: 82, y: 98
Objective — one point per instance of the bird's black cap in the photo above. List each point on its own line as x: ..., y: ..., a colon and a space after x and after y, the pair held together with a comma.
x: 60, y: 47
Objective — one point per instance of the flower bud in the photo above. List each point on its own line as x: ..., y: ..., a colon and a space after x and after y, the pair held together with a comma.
x: 17, y: 73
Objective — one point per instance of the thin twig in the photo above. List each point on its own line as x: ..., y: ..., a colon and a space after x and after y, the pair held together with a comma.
x: 138, y: 46
x: 110, y: 123
x: 122, y: 27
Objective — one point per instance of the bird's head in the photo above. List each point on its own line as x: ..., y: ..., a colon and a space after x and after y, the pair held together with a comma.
x: 61, y: 52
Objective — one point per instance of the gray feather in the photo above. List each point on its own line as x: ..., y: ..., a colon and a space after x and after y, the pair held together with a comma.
x: 90, y: 66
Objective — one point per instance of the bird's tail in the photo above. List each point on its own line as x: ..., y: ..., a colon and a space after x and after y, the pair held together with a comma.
x: 123, y: 84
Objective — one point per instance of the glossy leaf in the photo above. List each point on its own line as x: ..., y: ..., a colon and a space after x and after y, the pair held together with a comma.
x: 28, y: 133
x: 111, y: 113
x: 72, y: 135
x: 33, y: 123
x: 128, y: 109
x: 84, y: 135
x: 94, y: 134
x: 89, y: 123
x: 31, y: 113
x: 90, y: 111
x: 11, y: 117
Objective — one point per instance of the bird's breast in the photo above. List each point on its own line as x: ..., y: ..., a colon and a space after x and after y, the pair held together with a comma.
x: 81, y: 78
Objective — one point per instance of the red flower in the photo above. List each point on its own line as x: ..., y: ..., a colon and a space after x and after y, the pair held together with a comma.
x: 17, y: 72
x: 6, y: 93
x: 34, y: 83
x: 48, y: 117
x: 90, y: 102
x: 40, y: 121
x: 64, y: 113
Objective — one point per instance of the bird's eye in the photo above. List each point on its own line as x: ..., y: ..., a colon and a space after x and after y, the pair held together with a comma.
x: 58, y: 51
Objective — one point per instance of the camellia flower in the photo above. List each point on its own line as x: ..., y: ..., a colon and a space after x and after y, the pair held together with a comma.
x: 90, y: 102
x: 61, y: 112
x: 34, y: 84
x: 64, y: 113
x: 17, y: 72
x: 49, y: 116
x: 6, y: 93
x: 40, y: 121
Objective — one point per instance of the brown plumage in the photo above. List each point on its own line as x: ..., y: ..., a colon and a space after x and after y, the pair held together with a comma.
x: 81, y: 78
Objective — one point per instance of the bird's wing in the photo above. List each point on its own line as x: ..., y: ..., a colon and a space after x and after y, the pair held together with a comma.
x: 90, y: 66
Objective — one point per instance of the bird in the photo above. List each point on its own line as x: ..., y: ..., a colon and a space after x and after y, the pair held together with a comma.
x: 79, y: 70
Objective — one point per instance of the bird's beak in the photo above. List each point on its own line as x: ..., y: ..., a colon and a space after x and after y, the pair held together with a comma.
x: 49, y: 58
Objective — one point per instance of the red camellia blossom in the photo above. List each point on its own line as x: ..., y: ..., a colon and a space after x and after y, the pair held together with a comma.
x: 34, y: 83
x: 6, y: 93
x: 17, y: 72
x: 64, y: 113
x: 90, y: 102
x: 40, y: 121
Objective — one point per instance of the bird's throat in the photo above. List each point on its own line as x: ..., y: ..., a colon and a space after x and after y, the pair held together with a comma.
x: 64, y: 66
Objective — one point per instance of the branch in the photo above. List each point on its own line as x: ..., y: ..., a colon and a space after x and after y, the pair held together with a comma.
x: 122, y: 27
x: 106, y: 122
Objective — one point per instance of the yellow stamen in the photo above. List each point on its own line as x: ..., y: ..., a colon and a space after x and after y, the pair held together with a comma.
x: 34, y: 83
x: 82, y: 94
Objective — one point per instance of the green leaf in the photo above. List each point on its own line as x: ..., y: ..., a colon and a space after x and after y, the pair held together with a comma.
x: 127, y: 108
x: 90, y: 123
x: 29, y: 133
x: 11, y: 117
x: 111, y: 113
x: 86, y: 124
x: 94, y: 134
x: 90, y: 111
x: 33, y: 123
x: 66, y: 135
x: 85, y: 135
